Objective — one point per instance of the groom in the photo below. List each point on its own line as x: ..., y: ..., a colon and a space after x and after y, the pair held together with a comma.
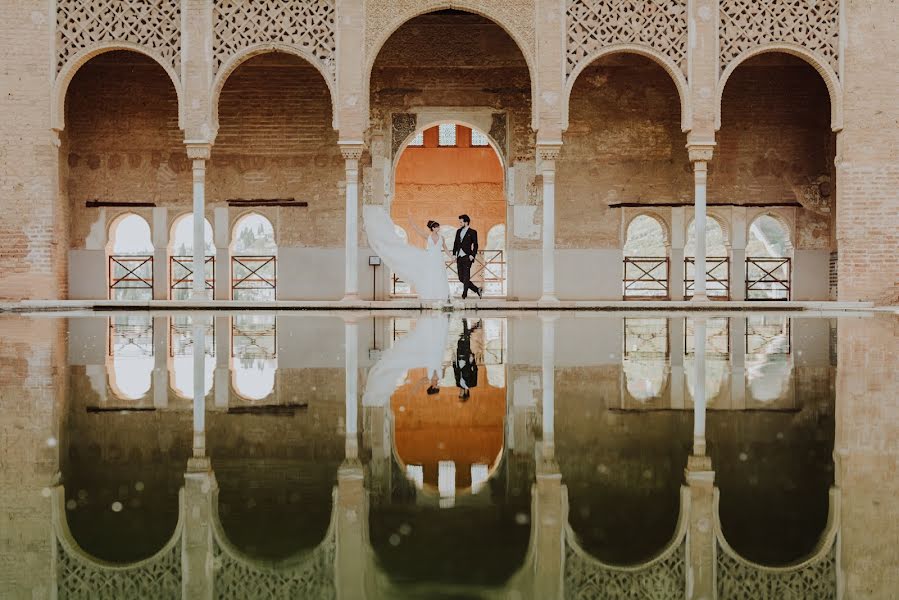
x: 465, y: 249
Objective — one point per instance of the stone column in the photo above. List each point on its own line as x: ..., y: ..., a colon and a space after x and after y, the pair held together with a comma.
x: 676, y: 254
x: 676, y: 358
x: 222, y: 235
x: 352, y: 152
x: 700, y: 155
x: 199, y: 152
x: 160, y: 362
x: 160, y: 253
x: 547, y: 154
x: 738, y: 253
x: 222, y: 374
x: 738, y: 362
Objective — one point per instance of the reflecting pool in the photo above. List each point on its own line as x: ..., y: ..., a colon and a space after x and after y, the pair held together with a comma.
x: 436, y: 455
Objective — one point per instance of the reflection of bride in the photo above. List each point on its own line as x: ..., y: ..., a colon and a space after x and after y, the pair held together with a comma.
x: 424, y: 346
x: 424, y: 269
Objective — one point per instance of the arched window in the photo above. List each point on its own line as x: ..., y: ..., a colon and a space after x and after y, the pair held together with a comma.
x: 254, y: 255
x: 254, y: 359
x: 768, y: 260
x: 717, y: 260
x: 446, y: 135
x: 130, y: 257
x: 645, y: 260
x: 181, y: 249
x: 496, y: 238
x: 478, y: 139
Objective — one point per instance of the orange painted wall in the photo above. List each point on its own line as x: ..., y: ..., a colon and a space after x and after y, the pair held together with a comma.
x: 428, y: 429
x: 440, y: 183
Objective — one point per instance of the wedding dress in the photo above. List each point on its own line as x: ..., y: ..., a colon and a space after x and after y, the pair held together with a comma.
x: 425, y: 269
x: 424, y: 346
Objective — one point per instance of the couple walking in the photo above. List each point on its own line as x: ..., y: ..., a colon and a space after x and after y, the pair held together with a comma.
x: 424, y: 269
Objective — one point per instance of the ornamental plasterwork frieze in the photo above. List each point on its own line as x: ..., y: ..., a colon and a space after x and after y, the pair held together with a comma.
x: 402, y: 126
x: 747, y: 24
x: 594, y: 24
x: 383, y: 16
x: 155, y: 25
x: 308, y: 25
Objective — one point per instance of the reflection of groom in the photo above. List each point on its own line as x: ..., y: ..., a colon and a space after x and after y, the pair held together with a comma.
x: 465, y: 249
x: 465, y: 367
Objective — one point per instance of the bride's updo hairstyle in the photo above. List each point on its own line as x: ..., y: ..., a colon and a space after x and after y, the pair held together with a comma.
x: 433, y: 224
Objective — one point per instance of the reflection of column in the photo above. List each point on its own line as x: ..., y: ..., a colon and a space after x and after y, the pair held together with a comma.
x: 351, y: 505
x: 699, y: 400
x: 351, y: 386
x: 547, y: 154
x: 199, y: 395
x: 700, y: 155
x: 700, y: 529
x: 549, y: 518
x: 676, y: 254
x: 676, y: 350
x: 738, y: 253
x: 199, y: 154
x: 549, y: 382
x: 160, y: 362
x: 222, y: 237
x: 738, y: 362
x: 160, y: 253
x: 197, y: 552
x: 352, y: 152
x: 222, y: 374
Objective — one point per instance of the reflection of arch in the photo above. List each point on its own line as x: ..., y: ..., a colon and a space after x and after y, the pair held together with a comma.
x: 68, y: 71
x: 181, y: 375
x: 231, y: 65
x: 73, y: 550
x: 834, y: 88
x: 469, y: 6
x: 126, y: 385
x: 677, y: 77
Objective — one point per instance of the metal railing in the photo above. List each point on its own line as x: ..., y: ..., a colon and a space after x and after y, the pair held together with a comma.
x: 646, y: 278
x: 488, y: 272
x: 130, y: 272
x: 717, y: 281
x: 181, y: 273
x: 768, y: 278
x: 255, y: 274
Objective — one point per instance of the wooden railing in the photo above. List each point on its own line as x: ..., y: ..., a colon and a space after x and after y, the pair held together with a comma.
x: 488, y: 272
x: 646, y: 278
x: 181, y: 273
x: 130, y: 272
x: 717, y: 281
x: 768, y: 278
x: 256, y: 274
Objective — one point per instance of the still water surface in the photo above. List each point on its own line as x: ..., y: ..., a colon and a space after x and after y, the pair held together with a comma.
x: 519, y: 456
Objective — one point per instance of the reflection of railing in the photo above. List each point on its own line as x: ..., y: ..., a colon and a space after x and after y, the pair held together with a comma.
x: 764, y: 336
x: 181, y: 338
x: 717, y: 281
x: 130, y: 273
x: 645, y: 278
x: 253, y: 339
x: 254, y: 273
x: 768, y: 278
x: 126, y: 335
x: 181, y: 272
x: 646, y: 338
x: 487, y: 272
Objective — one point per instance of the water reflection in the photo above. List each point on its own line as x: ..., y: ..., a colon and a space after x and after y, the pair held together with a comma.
x: 432, y: 453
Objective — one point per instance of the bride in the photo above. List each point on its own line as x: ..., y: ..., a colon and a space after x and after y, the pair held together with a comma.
x: 424, y: 269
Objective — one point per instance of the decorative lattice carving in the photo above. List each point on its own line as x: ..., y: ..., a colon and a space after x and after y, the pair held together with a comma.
x: 305, y: 24
x: 499, y: 130
x: 160, y: 578
x: 738, y: 580
x: 403, y: 125
x: 658, y: 24
x: 153, y: 24
x: 662, y: 580
x: 746, y: 24
x: 313, y: 577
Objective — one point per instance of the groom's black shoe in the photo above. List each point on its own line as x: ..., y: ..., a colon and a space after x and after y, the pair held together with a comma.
x: 480, y: 295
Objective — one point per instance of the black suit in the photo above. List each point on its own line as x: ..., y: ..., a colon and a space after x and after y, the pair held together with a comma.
x: 468, y: 246
x: 465, y: 367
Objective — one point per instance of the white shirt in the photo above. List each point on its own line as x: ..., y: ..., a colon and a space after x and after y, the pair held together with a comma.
x: 462, y: 378
x: 462, y: 237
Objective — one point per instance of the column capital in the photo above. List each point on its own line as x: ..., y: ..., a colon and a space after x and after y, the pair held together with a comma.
x: 700, y: 152
x: 198, y: 149
x: 549, y: 151
x: 351, y: 149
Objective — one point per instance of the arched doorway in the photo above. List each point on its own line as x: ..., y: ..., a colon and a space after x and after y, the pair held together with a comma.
x: 181, y: 248
x: 444, y: 171
x: 646, y: 268
x: 768, y: 260
x: 254, y: 255
x: 129, y: 254
x: 717, y: 261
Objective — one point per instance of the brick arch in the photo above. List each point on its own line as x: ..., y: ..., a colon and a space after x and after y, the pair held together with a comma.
x: 469, y: 6
x: 677, y: 77
x: 834, y: 88
x: 246, y: 54
x: 74, y: 64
